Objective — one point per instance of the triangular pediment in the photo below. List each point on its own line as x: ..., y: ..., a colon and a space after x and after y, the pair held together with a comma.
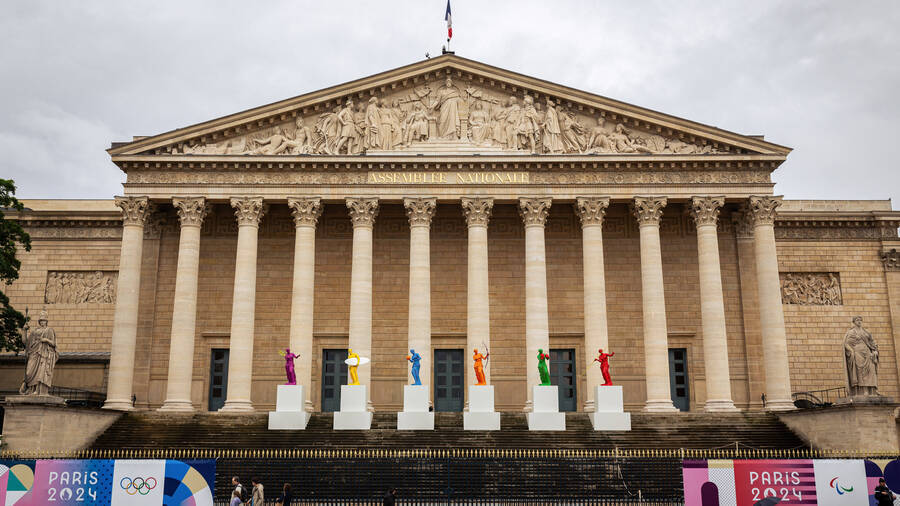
x: 448, y: 105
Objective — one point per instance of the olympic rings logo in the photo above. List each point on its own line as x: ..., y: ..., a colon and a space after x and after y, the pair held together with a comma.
x: 137, y: 485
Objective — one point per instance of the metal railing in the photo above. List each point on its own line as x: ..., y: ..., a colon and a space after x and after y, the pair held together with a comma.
x: 818, y: 398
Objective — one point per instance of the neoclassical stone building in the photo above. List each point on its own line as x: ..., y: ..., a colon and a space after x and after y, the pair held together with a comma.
x: 445, y: 206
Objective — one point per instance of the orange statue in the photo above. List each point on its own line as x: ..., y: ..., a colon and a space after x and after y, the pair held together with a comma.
x: 479, y: 367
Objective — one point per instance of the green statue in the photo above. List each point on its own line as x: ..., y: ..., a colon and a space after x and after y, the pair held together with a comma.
x: 542, y: 368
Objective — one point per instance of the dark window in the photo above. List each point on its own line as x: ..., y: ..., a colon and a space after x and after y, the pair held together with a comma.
x: 334, y: 374
x: 448, y: 380
x: 678, y: 378
x: 218, y: 378
x: 562, y: 374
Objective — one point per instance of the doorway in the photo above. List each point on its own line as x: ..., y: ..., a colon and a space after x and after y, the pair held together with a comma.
x: 334, y: 374
x: 448, y: 380
x: 678, y: 378
x: 562, y: 374
x: 218, y: 378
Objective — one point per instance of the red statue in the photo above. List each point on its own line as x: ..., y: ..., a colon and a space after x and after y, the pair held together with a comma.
x: 604, y: 366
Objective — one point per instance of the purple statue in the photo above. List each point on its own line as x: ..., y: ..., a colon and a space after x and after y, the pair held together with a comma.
x: 289, y: 366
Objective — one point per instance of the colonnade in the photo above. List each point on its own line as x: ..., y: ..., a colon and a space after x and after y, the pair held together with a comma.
x: 363, y: 211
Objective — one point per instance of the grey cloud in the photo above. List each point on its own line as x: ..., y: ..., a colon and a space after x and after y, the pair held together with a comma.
x: 820, y: 77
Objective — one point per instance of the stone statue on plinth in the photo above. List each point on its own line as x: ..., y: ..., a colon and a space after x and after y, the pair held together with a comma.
x: 861, y: 360
x: 41, y: 356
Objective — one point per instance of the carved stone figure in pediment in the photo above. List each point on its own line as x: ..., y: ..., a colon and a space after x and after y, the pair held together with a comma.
x: 329, y: 130
x: 391, y: 132
x: 507, y: 122
x: 347, y: 134
x: 449, y: 102
x: 552, y: 140
x: 599, y: 141
x: 373, y: 125
x: 529, y: 125
x: 573, y: 133
x: 416, y: 124
x: 479, y: 124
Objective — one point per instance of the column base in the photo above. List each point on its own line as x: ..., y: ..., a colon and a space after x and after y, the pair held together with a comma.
x: 780, y: 405
x: 118, y: 405
x: 660, y: 406
x: 177, y: 406
x: 719, y: 406
x: 589, y: 406
x: 237, y: 407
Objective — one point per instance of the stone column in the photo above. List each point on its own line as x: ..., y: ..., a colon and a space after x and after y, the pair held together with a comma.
x: 249, y: 211
x: 705, y: 211
x: 534, y: 213
x: 362, y: 212
x: 596, y: 334
x: 306, y: 212
x: 420, y: 212
x: 478, y: 305
x: 648, y: 211
x: 124, y: 334
x: 771, y: 314
x: 191, y: 211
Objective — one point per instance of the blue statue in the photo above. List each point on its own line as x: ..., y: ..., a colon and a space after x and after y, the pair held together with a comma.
x: 416, y: 360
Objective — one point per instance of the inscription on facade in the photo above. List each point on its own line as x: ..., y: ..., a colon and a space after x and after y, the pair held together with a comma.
x: 80, y: 287
x: 811, y: 288
x: 448, y: 178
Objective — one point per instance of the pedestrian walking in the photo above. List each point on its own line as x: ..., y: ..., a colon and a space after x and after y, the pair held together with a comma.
x: 258, y: 498
x: 883, y: 494
x: 286, y: 497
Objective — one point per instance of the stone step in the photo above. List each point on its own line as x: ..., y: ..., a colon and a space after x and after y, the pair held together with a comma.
x: 690, y: 431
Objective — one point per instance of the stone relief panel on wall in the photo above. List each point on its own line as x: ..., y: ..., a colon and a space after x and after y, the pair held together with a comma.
x: 811, y: 288
x: 459, y: 111
x: 80, y: 287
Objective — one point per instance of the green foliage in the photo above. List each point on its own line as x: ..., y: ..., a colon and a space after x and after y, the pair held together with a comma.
x: 12, y: 235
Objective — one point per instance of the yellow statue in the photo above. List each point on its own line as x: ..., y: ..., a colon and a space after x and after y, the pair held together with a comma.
x: 353, y: 364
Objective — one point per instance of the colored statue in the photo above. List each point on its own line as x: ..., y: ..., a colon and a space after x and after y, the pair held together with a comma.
x: 603, y: 358
x: 353, y: 362
x: 542, y: 368
x: 479, y: 367
x: 289, y: 366
x: 416, y: 360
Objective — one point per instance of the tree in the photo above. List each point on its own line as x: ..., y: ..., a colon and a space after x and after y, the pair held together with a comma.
x: 12, y: 235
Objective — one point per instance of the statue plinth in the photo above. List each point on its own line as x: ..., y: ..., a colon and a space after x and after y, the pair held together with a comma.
x: 44, y: 400
x: 864, y: 400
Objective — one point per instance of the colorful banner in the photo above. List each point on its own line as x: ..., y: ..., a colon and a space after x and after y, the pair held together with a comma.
x: 115, y: 482
x: 805, y: 481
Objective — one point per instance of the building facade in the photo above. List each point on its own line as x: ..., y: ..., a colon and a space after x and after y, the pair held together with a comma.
x: 446, y: 206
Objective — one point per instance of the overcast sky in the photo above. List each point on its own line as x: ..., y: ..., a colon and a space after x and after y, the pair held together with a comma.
x: 820, y: 77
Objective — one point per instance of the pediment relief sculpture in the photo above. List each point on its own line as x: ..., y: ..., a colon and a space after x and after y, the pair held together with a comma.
x: 457, y: 112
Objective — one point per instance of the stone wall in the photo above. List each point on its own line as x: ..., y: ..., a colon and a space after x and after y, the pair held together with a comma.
x: 865, y: 428
x: 52, y: 428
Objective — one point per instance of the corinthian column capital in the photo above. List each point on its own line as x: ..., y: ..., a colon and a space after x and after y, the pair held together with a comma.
x: 763, y: 209
x: 248, y: 210
x: 363, y: 211
x: 135, y: 210
x: 191, y: 210
x: 306, y: 211
x: 477, y: 210
x: 591, y: 210
x: 648, y: 210
x: 705, y: 210
x: 534, y: 210
x: 420, y: 210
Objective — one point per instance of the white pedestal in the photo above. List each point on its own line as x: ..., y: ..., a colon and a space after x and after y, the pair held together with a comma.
x: 353, y: 414
x: 415, y: 414
x: 608, y: 409
x: 546, y: 415
x: 290, y: 412
x: 481, y: 414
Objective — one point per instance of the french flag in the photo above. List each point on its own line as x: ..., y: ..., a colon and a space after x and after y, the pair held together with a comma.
x: 447, y: 18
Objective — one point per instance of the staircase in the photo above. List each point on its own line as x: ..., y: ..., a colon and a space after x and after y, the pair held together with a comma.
x: 649, y: 431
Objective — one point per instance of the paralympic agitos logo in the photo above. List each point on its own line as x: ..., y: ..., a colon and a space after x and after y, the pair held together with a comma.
x: 137, y: 485
x: 838, y: 488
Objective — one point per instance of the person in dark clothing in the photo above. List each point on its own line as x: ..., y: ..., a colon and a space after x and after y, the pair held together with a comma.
x: 286, y: 497
x: 883, y: 495
x: 390, y: 498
